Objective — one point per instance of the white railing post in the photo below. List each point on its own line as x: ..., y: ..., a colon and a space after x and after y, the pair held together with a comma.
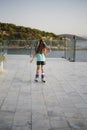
x: 1, y: 66
x: 2, y: 60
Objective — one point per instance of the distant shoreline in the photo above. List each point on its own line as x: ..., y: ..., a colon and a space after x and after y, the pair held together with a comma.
x: 61, y: 48
x: 52, y: 48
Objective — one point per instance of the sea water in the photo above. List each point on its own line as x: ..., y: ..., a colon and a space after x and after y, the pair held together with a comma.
x: 80, y: 55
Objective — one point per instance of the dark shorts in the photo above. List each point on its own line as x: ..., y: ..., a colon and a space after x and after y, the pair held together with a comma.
x: 40, y: 63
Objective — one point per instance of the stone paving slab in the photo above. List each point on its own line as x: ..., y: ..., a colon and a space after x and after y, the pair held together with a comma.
x: 59, y: 104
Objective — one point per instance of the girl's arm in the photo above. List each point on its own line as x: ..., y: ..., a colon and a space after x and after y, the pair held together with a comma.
x: 34, y: 55
x: 46, y: 51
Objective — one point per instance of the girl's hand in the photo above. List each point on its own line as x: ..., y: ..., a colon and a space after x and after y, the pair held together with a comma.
x: 33, y: 57
x: 31, y: 61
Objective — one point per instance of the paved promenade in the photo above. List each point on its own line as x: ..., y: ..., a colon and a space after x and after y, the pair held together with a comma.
x: 58, y: 104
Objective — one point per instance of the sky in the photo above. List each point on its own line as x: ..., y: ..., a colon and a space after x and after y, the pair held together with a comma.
x: 56, y: 16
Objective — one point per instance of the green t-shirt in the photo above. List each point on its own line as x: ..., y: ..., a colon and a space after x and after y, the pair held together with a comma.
x: 40, y: 57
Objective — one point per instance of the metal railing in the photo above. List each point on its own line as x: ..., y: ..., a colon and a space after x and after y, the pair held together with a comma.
x: 70, y: 49
x: 28, y: 46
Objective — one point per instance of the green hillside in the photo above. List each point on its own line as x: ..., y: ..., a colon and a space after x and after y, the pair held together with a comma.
x: 10, y: 31
x: 13, y: 32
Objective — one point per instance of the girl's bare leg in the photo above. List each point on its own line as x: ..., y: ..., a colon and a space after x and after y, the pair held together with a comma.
x: 37, y: 69
x: 42, y: 73
x: 37, y: 73
x: 42, y: 69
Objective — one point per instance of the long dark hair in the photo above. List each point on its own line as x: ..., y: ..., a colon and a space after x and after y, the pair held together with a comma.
x: 40, y: 47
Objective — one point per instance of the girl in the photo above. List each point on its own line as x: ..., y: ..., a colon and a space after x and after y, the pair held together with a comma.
x: 40, y: 52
